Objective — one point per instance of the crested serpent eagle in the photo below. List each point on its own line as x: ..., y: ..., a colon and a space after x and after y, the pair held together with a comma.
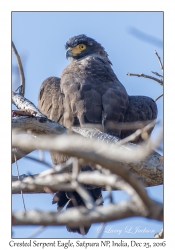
x: 89, y: 92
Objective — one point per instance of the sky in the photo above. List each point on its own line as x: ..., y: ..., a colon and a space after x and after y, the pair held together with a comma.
x: 130, y: 39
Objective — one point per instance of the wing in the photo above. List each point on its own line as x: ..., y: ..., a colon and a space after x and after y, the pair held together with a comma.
x: 140, y: 108
x: 50, y: 103
x: 50, y: 99
x: 92, y: 90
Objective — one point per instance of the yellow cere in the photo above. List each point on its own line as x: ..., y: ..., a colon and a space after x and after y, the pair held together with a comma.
x: 78, y: 49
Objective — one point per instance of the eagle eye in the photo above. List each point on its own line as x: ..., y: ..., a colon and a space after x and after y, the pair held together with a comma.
x: 82, y: 46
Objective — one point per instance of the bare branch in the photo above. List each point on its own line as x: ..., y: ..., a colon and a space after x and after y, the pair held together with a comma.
x: 157, y: 74
x: 102, y: 228
x: 155, y: 210
x: 21, y: 71
x: 22, y: 196
x: 131, y: 125
x: 149, y: 170
x: 149, y: 175
x: 146, y: 76
x: 44, y: 163
x: 45, y: 126
x: 28, y: 185
x: 143, y: 132
x: 19, y: 153
x: 36, y: 232
x: 96, y: 152
x: 38, y: 125
x: 158, y: 57
x: 86, y: 197
x: 53, y: 182
x: 74, y: 217
x: 21, y: 177
x: 68, y: 144
x: 57, y: 169
x: 23, y: 103
x: 158, y: 97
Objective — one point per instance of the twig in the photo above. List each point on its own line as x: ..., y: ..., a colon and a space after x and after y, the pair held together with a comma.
x: 86, y: 197
x: 102, y: 228
x: 107, y: 173
x: 21, y: 71
x: 158, y: 57
x: 41, y: 155
x: 60, y: 168
x: 138, y: 132
x: 146, y: 76
x: 36, y: 232
x: 19, y: 153
x: 157, y: 74
x: 131, y: 125
x: 158, y: 97
x: 44, y: 163
x: 75, y: 169
x: 21, y: 190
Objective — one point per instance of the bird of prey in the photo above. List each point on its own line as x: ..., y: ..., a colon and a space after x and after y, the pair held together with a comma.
x: 89, y: 92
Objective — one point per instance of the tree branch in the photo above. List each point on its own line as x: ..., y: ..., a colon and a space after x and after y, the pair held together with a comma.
x: 74, y: 217
x: 96, y: 152
x: 71, y: 144
x: 19, y: 153
x: 93, y: 182
x: 146, y: 76
x: 157, y: 74
x: 37, y: 183
x: 151, y: 77
x: 158, y: 97
x: 21, y: 71
x: 149, y: 170
x: 158, y: 57
x: 37, y: 125
x: 23, y: 103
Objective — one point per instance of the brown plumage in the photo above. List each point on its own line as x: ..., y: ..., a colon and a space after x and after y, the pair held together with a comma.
x: 89, y: 92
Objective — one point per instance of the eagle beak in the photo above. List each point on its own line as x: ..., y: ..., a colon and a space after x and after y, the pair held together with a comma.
x: 69, y: 54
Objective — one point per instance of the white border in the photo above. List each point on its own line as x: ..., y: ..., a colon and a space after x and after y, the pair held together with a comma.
x: 169, y: 114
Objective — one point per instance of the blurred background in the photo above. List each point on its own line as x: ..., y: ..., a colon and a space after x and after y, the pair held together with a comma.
x: 130, y: 39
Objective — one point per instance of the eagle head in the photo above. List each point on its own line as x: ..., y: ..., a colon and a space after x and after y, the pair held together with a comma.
x: 80, y: 46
